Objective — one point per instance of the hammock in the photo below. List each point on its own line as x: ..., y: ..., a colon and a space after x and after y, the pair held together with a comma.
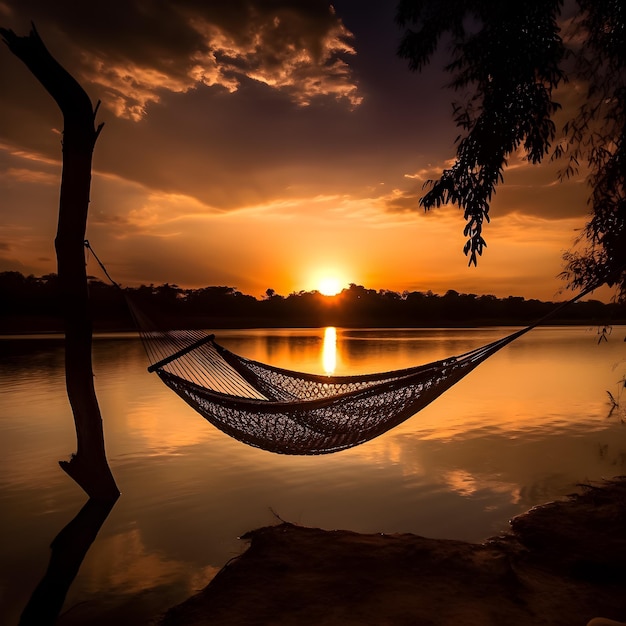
x: 297, y: 413
x: 290, y: 412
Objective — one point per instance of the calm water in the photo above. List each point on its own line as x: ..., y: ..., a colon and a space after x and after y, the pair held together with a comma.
x: 522, y: 429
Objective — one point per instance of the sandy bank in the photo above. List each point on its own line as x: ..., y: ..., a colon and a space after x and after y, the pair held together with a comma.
x: 562, y: 563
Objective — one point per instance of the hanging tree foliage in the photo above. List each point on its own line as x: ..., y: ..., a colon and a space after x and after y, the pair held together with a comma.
x: 507, y: 59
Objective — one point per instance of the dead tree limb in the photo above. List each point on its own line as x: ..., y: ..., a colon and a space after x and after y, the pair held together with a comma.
x: 89, y: 466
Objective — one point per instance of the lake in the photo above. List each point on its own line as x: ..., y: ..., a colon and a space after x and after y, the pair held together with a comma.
x: 524, y: 428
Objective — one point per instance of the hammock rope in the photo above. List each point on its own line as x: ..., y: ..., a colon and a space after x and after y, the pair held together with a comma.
x: 290, y: 412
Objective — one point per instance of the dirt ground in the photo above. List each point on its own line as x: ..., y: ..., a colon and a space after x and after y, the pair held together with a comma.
x: 563, y: 563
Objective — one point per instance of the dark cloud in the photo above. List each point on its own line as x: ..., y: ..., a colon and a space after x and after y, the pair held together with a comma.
x: 134, y: 51
x: 556, y: 201
x: 232, y: 149
x: 535, y: 190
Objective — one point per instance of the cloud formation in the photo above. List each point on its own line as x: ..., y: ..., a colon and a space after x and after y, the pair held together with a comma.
x: 137, y: 51
x: 255, y: 143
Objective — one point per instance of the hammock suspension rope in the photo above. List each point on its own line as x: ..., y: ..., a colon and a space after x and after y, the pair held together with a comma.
x: 290, y: 412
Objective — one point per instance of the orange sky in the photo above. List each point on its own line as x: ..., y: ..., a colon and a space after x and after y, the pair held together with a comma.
x: 258, y: 148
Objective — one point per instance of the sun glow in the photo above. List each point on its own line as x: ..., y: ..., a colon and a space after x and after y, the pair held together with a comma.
x: 329, y: 286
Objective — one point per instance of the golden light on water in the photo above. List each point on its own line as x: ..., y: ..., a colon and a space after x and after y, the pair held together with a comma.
x: 329, y: 350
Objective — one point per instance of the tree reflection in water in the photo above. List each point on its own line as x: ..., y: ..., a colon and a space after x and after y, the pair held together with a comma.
x: 68, y: 549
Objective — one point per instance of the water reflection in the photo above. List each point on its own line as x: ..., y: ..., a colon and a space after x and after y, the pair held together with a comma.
x: 68, y: 549
x: 523, y: 428
x: 329, y: 350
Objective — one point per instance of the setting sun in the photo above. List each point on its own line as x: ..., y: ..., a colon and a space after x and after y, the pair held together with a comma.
x: 329, y: 286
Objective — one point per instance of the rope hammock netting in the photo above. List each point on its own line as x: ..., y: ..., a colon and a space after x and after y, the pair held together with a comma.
x: 289, y: 412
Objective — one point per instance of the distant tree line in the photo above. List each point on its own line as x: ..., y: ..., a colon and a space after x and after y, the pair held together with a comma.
x: 29, y: 303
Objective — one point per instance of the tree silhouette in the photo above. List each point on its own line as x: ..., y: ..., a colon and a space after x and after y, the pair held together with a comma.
x: 89, y: 466
x: 507, y: 59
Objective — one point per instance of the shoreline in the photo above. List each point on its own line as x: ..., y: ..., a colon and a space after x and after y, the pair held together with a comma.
x: 18, y: 332
x: 561, y: 563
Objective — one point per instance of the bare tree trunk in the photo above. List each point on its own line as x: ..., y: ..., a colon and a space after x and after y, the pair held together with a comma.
x: 89, y: 466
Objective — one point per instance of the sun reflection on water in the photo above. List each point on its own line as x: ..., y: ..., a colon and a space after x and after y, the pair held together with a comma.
x: 329, y: 350
x: 521, y: 430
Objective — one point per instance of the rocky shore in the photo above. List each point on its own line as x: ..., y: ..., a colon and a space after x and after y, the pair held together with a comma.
x: 562, y: 563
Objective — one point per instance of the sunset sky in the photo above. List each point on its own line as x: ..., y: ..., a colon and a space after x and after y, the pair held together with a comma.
x: 262, y: 144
